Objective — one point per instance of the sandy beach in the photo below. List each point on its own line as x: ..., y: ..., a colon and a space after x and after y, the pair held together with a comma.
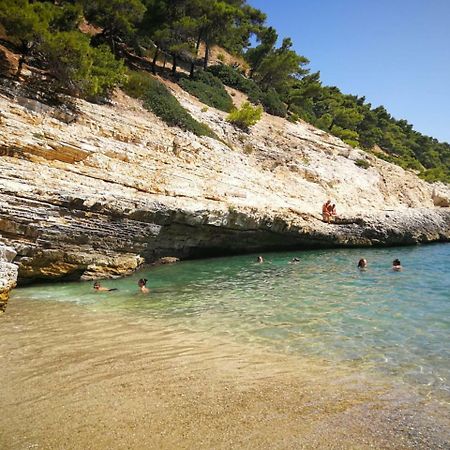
x: 79, y: 379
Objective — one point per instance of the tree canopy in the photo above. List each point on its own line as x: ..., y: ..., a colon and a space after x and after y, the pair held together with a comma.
x: 47, y: 33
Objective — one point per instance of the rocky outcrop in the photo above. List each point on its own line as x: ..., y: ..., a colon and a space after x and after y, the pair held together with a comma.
x: 8, y: 274
x: 441, y: 195
x: 100, y: 195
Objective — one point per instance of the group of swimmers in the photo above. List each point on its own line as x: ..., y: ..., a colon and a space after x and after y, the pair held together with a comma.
x: 142, y: 283
x: 362, y: 263
x: 328, y: 211
x: 396, y: 264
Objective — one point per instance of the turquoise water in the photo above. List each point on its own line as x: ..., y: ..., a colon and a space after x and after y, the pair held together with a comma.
x: 393, y: 323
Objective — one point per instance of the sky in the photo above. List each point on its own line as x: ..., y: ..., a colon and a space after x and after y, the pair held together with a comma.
x: 396, y: 53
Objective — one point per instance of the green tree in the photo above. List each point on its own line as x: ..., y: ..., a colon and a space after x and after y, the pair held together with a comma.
x: 246, y: 116
x: 25, y: 29
x: 267, y: 38
x: 280, y: 67
x: 117, y: 18
x: 79, y: 69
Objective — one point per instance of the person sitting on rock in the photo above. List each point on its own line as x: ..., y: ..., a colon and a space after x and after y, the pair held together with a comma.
x: 362, y: 264
x: 98, y: 287
x: 396, y: 265
x: 142, y: 283
x: 326, y: 211
x: 332, y: 210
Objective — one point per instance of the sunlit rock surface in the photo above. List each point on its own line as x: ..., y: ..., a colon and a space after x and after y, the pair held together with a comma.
x: 8, y: 274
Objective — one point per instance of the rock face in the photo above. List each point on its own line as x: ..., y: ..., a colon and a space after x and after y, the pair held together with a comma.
x: 98, y: 196
x: 8, y: 274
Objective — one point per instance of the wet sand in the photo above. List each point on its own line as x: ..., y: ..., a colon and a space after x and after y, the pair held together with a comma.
x: 78, y: 379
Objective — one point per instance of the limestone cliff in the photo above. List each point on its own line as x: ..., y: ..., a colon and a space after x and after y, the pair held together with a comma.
x: 99, y: 195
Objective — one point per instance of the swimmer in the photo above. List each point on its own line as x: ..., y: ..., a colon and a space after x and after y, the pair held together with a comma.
x: 362, y: 264
x: 98, y: 287
x: 397, y: 265
x: 259, y: 259
x: 295, y: 259
x: 142, y: 286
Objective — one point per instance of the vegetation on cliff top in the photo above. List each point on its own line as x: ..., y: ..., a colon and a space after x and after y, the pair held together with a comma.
x: 159, y: 100
x: 145, y: 34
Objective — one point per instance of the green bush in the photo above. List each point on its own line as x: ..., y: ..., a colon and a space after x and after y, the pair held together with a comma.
x: 350, y: 137
x: 270, y: 100
x: 364, y: 164
x: 209, y: 90
x: 137, y: 84
x: 436, y: 174
x: 158, y: 99
x: 231, y: 77
x: 80, y: 69
x: 294, y: 118
x: 246, y: 116
x: 272, y: 103
x: 106, y: 71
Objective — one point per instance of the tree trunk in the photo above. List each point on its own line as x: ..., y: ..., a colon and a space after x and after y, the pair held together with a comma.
x: 154, y: 61
x: 113, y: 45
x: 24, y: 50
x: 197, y: 46
x: 174, y: 65
x: 20, y: 66
x: 205, y: 62
x: 165, y: 61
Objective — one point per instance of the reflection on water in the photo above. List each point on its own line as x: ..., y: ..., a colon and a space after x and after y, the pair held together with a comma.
x: 394, y: 323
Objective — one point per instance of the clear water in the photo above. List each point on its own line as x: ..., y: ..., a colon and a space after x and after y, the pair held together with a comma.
x: 394, y: 323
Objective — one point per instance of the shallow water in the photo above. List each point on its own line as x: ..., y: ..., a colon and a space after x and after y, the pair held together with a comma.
x: 394, y: 324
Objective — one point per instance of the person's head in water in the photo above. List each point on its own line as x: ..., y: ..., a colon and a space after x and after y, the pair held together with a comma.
x: 362, y: 263
x: 98, y: 287
x: 260, y: 259
x: 142, y: 283
x: 396, y: 264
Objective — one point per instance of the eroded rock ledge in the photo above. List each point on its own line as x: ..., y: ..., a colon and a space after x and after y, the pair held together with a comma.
x: 8, y: 274
x: 99, y: 196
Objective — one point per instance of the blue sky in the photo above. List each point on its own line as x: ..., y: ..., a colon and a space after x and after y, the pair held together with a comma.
x: 394, y: 52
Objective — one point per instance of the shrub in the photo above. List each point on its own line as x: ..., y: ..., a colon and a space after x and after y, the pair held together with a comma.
x: 208, y: 89
x: 270, y: 100
x: 106, y: 71
x: 294, y: 118
x: 350, y: 137
x: 248, y: 149
x: 364, y: 164
x: 231, y: 77
x: 137, y: 84
x: 246, y: 116
x: 80, y: 69
x: 272, y: 103
x: 158, y: 99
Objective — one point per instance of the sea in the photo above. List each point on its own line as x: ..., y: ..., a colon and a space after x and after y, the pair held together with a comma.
x: 303, y: 350
x: 307, y: 303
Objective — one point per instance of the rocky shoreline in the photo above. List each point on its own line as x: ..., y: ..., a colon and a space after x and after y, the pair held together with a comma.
x: 8, y: 275
x: 116, y: 188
